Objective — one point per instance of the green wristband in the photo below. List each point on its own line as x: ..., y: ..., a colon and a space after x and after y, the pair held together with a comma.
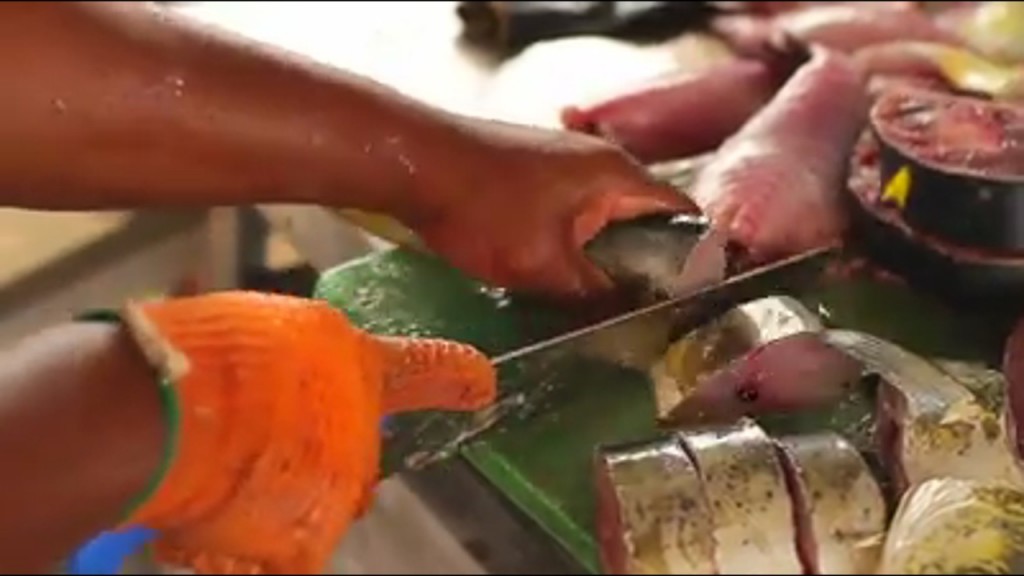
x: 172, y: 417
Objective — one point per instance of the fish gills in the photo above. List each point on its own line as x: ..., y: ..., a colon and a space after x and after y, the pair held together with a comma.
x: 750, y: 504
x: 841, y: 511
x: 652, y: 514
x: 929, y: 425
x: 954, y: 526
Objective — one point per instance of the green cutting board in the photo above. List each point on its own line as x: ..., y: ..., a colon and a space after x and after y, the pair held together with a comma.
x: 543, y: 463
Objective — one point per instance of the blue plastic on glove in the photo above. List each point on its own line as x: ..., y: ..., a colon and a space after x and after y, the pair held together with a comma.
x: 107, y: 553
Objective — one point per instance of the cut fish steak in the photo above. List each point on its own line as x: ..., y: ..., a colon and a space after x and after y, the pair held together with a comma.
x: 841, y: 512
x: 653, y: 517
x: 750, y: 504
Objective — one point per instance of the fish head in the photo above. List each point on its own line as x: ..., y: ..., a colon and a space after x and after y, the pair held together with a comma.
x: 794, y: 373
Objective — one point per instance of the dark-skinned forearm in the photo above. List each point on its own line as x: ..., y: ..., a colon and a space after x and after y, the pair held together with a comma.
x: 122, y: 105
x: 81, y: 433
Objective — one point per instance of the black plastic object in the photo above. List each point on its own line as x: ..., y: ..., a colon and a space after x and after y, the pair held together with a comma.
x: 508, y: 27
x: 965, y: 275
x: 944, y: 186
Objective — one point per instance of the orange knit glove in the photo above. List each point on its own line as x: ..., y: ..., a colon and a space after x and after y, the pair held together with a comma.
x: 278, y: 403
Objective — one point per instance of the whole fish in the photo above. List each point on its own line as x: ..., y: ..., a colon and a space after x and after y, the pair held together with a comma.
x: 841, y: 512
x: 956, y: 526
x: 652, y: 514
x: 751, y: 509
x: 684, y: 116
x: 929, y: 425
x: 775, y: 186
x: 679, y: 377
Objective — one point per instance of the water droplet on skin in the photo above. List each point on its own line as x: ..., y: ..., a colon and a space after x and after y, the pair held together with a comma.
x: 177, y: 84
x: 409, y: 167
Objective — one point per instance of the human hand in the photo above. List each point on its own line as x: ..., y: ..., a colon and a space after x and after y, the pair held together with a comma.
x: 520, y: 203
x: 278, y: 402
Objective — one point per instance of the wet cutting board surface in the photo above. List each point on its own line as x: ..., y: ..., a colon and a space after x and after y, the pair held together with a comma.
x: 543, y: 463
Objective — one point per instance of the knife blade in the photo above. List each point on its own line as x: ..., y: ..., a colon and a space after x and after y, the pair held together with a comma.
x: 529, y: 373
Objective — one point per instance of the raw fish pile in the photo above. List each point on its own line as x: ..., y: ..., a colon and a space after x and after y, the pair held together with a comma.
x: 782, y: 118
x: 720, y: 494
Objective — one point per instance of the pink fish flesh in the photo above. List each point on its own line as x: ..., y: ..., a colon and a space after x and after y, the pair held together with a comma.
x: 791, y: 374
x: 775, y: 186
x: 687, y: 115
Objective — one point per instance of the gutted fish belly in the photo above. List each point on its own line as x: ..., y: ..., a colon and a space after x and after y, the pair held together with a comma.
x: 929, y: 425
x: 955, y: 526
x: 762, y: 190
x: 841, y: 512
x: 653, y: 517
x: 676, y: 376
x: 750, y: 505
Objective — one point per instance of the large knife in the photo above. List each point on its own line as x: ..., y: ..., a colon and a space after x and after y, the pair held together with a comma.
x: 529, y: 374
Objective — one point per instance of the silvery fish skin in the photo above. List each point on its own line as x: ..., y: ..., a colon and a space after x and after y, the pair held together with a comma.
x: 955, y: 526
x: 688, y: 361
x: 652, y: 515
x: 662, y: 255
x: 841, y: 512
x: 930, y: 425
x: 656, y: 256
x: 750, y: 504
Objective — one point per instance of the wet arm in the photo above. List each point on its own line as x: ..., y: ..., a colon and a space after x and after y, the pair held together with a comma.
x: 114, y: 105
